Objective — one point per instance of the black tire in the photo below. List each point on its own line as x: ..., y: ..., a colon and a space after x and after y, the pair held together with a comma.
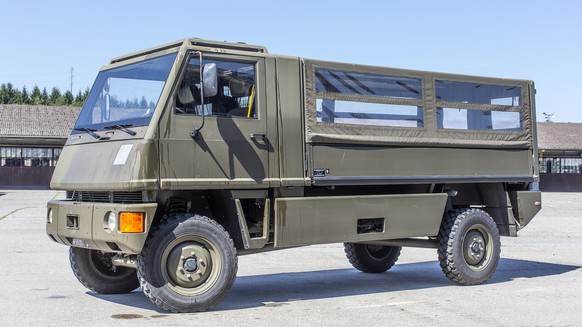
x: 95, y: 270
x: 469, y: 246
x: 372, y: 258
x: 188, y: 264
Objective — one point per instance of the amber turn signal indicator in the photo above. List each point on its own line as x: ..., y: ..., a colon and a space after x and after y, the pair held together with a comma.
x: 131, y: 222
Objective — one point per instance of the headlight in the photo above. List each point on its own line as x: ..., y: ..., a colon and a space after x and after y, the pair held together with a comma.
x: 111, y: 221
x: 49, y: 216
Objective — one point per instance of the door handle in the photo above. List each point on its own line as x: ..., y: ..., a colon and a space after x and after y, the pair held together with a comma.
x: 261, y: 136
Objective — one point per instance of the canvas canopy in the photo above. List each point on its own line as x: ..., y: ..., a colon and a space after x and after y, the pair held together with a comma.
x: 354, y: 104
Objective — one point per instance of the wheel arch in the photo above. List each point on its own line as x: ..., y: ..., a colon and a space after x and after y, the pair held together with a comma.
x: 490, y: 197
x: 219, y: 205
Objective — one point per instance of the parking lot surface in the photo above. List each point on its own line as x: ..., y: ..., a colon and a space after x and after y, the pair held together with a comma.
x: 538, y: 282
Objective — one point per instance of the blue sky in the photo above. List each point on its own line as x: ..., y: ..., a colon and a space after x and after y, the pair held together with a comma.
x: 537, y: 40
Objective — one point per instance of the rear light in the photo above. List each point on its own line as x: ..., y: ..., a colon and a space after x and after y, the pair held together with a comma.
x: 131, y: 222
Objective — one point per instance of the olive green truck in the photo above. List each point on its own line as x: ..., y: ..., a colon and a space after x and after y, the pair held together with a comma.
x: 189, y: 154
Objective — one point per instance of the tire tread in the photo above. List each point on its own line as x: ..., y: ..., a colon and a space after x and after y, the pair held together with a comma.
x: 95, y: 283
x: 360, y: 260
x: 148, y: 246
x: 447, y: 234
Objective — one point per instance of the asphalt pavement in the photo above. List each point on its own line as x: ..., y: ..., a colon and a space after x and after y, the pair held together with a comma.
x: 538, y: 282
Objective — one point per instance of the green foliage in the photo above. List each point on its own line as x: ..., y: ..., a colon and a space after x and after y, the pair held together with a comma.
x: 36, y: 96
x: 56, y: 97
x: 11, y: 95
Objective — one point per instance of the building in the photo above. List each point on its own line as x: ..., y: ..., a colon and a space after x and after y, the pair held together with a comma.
x: 31, y: 139
x: 560, y: 151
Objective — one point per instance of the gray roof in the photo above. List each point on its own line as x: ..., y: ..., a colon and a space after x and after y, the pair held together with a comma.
x: 560, y: 136
x: 37, y: 121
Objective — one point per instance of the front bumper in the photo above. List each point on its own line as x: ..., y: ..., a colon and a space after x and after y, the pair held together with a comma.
x: 84, y: 224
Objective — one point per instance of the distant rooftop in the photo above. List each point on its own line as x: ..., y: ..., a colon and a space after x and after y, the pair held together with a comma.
x: 560, y: 136
x: 37, y: 121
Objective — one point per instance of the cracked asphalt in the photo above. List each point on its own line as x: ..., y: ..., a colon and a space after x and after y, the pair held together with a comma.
x: 538, y: 282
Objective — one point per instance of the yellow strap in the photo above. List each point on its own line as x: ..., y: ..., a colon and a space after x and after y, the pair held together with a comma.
x: 251, y: 98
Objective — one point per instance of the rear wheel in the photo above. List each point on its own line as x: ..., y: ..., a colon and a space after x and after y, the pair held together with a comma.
x: 188, y: 264
x: 372, y: 258
x: 95, y: 270
x: 469, y: 246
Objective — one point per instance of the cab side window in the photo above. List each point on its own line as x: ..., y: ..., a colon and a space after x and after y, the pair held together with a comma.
x: 236, y: 90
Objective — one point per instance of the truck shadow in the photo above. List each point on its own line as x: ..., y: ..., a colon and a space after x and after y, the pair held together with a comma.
x: 278, y: 289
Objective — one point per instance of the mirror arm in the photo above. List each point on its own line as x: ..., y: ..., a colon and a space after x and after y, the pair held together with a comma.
x: 196, y: 132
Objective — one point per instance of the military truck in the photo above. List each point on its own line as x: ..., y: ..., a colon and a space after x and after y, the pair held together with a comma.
x: 191, y: 153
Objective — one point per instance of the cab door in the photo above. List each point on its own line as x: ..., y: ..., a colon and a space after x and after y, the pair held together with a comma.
x: 233, y: 145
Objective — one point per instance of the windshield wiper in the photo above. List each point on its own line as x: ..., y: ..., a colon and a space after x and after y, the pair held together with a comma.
x: 91, y: 131
x: 123, y: 128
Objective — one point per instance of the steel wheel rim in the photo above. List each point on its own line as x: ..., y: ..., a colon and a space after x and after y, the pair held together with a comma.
x: 378, y: 252
x: 191, y: 265
x: 477, y: 247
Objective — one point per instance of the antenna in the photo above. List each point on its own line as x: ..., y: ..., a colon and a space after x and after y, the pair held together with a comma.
x: 548, y: 117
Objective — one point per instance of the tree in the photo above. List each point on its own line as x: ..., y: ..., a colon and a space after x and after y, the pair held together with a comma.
x: 14, y: 95
x: 24, y: 97
x: 78, y: 101
x: 44, y: 97
x: 67, y: 98
x: 55, y: 97
x: 36, y: 96
x: 11, y: 95
x: 3, y: 94
x: 81, y: 98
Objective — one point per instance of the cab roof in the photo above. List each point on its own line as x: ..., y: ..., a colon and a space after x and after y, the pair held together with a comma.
x: 238, y: 46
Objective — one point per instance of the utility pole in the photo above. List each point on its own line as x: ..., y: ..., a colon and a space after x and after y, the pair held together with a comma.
x: 72, y: 69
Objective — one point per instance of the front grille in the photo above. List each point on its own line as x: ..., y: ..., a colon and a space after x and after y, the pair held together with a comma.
x: 105, y: 197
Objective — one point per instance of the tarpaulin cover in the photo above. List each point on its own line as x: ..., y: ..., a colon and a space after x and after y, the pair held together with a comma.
x: 434, y: 94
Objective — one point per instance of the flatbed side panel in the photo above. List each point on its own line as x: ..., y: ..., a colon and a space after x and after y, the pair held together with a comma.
x: 318, y: 220
x: 352, y: 161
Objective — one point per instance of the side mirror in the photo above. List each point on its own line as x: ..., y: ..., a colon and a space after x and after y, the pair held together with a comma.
x: 209, y: 80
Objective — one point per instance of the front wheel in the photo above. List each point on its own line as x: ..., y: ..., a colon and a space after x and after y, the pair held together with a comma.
x: 95, y: 270
x: 469, y: 246
x: 188, y: 264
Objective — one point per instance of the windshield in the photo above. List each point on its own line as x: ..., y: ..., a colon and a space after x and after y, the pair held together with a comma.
x: 125, y: 96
